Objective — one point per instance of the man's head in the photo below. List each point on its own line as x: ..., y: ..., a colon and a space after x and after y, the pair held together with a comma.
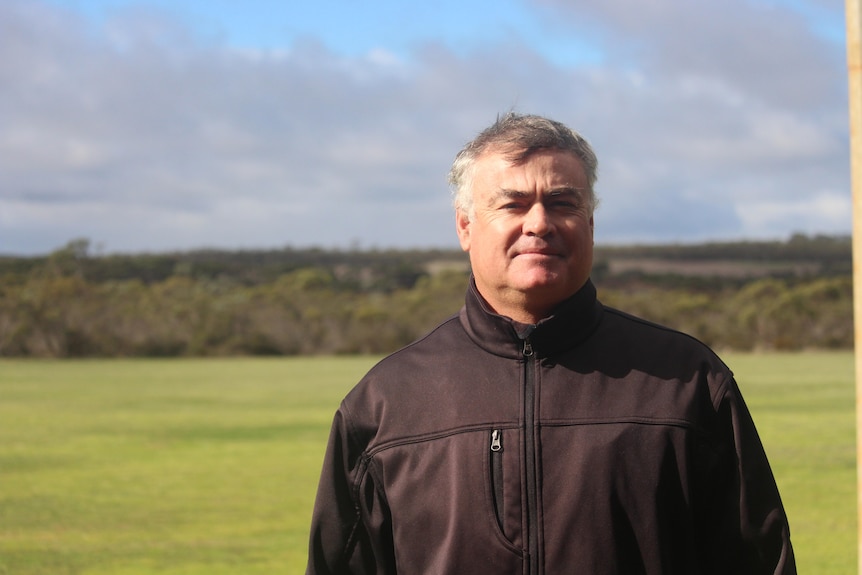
x: 518, y: 137
x: 524, y: 204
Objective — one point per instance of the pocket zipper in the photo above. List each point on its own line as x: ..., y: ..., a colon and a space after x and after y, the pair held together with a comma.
x: 496, y: 441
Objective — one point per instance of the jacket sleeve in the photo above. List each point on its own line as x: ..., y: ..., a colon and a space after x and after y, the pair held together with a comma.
x: 764, y: 534
x: 351, y: 527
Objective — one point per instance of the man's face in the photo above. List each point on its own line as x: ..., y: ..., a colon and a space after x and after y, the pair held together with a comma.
x: 531, y: 235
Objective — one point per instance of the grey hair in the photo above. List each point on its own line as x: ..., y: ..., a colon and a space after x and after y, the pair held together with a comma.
x: 518, y: 137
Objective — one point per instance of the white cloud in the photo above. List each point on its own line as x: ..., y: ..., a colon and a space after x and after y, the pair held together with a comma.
x: 822, y: 212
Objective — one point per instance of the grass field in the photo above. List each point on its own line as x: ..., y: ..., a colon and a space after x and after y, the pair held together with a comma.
x: 209, y: 467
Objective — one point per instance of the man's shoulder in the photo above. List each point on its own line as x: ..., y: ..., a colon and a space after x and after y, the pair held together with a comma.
x: 660, y: 354
x: 409, y: 363
x: 435, y: 342
x: 653, y: 331
x: 642, y: 337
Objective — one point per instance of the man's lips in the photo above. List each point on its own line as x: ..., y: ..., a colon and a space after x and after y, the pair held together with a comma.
x: 542, y: 252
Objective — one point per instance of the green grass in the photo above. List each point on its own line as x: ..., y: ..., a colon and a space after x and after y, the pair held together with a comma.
x: 209, y: 466
x: 804, y: 407
x: 179, y: 467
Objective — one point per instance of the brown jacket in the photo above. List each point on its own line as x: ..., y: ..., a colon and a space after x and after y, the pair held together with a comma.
x: 597, y: 443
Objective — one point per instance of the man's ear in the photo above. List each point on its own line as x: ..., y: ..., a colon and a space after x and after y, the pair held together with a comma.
x: 462, y: 226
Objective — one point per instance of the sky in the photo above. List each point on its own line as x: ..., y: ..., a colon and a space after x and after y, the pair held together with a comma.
x: 163, y: 125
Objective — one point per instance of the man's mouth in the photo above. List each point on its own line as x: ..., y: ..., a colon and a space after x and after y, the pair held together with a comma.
x: 540, y: 253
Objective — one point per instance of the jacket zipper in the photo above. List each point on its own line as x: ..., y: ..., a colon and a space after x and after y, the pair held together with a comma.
x: 530, y: 457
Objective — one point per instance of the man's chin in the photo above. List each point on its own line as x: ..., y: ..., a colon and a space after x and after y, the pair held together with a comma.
x: 541, y: 283
x: 546, y: 283
x: 541, y: 272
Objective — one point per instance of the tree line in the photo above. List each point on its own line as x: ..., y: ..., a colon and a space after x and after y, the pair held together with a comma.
x: 72, y: 303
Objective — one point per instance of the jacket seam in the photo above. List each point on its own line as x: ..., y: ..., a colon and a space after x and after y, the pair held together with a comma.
x: 354, y: 491
x: 721, y: 392
x: 648, y: 323
x: 419, y: 340
x: 350, y: 543
x: 421, y: 438
x: 673, y: 422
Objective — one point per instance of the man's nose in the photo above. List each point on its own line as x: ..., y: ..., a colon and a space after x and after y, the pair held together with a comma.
x: 536, y: 221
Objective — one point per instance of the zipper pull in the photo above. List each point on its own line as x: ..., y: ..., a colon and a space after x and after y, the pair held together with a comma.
x: 496, y: 443
x: 528, y: 348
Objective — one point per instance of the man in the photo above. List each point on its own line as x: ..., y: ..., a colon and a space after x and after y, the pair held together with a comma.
x: 539, y: 431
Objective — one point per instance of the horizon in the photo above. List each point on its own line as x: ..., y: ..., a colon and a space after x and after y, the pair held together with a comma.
x: 92, y: 250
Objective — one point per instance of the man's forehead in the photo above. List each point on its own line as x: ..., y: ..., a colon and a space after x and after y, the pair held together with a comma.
x: 502, y: 161
x: 518, y: 155
x: 551, y: 169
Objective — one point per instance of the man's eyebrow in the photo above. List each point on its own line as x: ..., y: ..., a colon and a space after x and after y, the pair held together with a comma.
x: 565, y: 191
x: 510, y: 194
x: 504, y: 194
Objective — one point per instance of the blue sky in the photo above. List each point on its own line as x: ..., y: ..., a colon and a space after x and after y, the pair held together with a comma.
x: 354, y: 28
x: 157, y: 125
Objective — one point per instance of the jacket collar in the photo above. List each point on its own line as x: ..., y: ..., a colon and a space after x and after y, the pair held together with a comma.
x: 572, y: 321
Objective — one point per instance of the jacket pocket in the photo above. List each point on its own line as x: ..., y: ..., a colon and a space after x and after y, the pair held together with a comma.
x: 497, y: 477
x: 504, y: 484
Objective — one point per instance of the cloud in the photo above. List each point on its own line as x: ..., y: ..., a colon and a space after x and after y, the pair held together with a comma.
x: 720, y: 108
x: 711, y: 120
x: 821, y: 212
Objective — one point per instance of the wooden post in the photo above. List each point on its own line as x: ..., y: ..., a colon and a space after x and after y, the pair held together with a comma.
x: 853, y: 13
